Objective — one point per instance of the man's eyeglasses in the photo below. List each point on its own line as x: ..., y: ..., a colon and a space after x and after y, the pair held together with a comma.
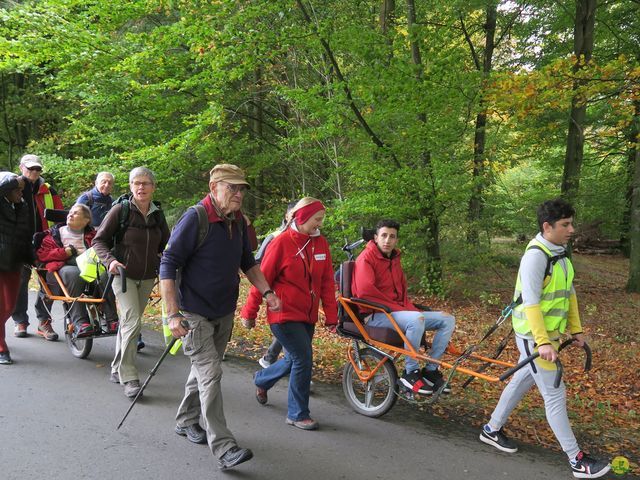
x: 34, y: 169
x: 236, y: 188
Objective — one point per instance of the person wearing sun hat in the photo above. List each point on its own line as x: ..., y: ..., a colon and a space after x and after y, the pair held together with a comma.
x: 298, y: 267
x: 38, y: 196
x: 208, y: 294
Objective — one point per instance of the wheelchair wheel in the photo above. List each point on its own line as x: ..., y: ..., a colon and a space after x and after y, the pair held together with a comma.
x: 80, y: 347
x: 375, y: 397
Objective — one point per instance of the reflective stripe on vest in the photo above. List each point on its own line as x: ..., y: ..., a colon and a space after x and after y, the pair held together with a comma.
x: 48, y: 203
x: 554, y: 300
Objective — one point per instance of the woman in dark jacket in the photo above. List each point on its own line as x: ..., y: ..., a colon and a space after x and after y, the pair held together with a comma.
x: 132, y: 236
x: 15, y: 249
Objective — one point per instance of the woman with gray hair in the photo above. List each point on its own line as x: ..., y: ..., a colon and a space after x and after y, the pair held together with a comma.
x: 132, y: 236
x: 58, y: 250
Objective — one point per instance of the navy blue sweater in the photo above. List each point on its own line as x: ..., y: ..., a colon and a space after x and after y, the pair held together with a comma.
x: 210, y: 278
x: 98, y: 203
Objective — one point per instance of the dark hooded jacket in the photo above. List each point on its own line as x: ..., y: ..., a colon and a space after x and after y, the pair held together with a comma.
x: 15, y: 230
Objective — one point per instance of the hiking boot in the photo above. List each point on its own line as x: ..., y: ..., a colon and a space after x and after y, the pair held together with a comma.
x: 261, y: 395
x: 5, y: 358
x: 585, y: 466
x: 498, y: 439
x: 264, y: 363
x: 20, y: 330
x: 434, y: 379
x: 414, y: 382
x: 45, y: 330
x: 194, y: 433
x: 114, y: 377
x: 132, y: 388
x: 234, y: 456
x: 306, y: 424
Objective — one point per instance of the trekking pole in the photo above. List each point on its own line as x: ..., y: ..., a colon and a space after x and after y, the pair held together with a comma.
x: 152, y: 373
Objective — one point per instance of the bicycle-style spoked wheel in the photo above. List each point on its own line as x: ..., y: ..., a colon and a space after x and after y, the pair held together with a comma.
x: 375, y: 397
x: 80, y: 347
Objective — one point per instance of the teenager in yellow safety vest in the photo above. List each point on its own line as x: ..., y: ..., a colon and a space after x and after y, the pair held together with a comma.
x: 549, y: 308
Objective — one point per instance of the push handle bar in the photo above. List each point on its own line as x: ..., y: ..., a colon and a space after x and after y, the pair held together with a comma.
x: 560, y: 369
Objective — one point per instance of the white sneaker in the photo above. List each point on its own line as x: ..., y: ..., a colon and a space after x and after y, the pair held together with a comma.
x: 264, y: 363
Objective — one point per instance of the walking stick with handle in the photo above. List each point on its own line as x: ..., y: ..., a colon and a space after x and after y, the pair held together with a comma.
x: 152, y: 373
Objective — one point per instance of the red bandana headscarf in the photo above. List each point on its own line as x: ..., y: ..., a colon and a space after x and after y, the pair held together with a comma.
x: 303, y: 215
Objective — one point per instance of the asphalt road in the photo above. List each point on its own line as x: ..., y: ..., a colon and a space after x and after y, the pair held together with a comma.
x: 58, y: 418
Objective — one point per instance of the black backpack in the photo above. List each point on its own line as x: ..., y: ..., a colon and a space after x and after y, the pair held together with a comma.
x: 125, y: 213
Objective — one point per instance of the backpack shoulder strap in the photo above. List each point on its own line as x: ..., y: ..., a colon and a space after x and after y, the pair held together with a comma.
x: 123, y: 217
x: 90, y: 199
x: 551, y: 260
x: 203, y: 224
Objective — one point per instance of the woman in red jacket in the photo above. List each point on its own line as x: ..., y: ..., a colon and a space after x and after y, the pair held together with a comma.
x: 298, y: 267
x: 58, y: 251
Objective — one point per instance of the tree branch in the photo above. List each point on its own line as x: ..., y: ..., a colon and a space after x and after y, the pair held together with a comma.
x: 345, y: 86
x: 467, y: 37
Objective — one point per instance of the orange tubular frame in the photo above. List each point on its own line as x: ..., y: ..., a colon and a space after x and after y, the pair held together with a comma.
x: 394, y: 352
x: 66, y: 297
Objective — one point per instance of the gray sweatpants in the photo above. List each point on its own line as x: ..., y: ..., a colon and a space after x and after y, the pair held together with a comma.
x: 204, y: 345
x: 555, y: 402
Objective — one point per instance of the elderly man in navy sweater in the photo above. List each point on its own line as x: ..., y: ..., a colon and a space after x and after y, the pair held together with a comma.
x: 209, y: 287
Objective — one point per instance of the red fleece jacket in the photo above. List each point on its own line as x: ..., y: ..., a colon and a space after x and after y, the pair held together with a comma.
x: 380, y: 279
x: 294, y: 273
x: 51, y: 251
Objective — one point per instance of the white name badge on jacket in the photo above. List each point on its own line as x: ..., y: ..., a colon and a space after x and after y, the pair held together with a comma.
x: 320, y: 256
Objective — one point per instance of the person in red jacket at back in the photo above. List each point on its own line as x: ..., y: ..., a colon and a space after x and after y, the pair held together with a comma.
x: 298, y: 267
x: 378, y: 277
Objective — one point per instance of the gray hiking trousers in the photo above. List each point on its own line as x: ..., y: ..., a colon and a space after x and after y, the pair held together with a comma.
x: 555, y: 402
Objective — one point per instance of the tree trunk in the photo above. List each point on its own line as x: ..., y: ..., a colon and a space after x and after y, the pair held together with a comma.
x: 478, y: 183
x: 427, y: 210
x: 387, y: 11
x: 633, y: 139
x: 633, y: 283
x: 583, y: 47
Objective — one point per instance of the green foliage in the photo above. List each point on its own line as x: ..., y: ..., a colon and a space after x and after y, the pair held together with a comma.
x: 180, y: 86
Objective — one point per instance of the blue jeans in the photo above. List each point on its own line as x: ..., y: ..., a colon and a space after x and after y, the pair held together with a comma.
x: 414, y: 324
x: 297, y: 362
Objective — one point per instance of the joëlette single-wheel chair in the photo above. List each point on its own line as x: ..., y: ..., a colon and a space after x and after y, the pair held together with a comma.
x: 93, y: 299
x: 370, y: 377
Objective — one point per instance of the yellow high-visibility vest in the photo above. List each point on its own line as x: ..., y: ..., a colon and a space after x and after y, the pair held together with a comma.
x: 554, y: 301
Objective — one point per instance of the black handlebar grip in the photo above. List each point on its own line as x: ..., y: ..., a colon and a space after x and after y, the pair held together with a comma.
x: 123, y: 279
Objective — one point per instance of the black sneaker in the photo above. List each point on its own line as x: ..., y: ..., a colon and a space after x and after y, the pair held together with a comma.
x: 434, y: 379
x: 140, y: 345
x: 414, y: 382
x: 5, y: 358
x: 497, y: 439
x: 585, y: 466
x: 234, y: 456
